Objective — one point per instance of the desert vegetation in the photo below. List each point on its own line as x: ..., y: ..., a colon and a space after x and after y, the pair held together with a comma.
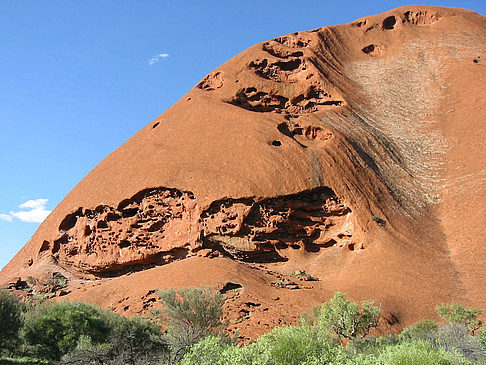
x: 189, y: 330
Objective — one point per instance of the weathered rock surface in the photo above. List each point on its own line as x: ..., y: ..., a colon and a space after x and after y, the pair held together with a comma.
x: 352, y: 154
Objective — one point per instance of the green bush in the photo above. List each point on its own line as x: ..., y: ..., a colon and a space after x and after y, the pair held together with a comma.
x: 210, y: 351
x: 457, y: 313
x: 371, y: 345
x: 190, y: 314
x: 418, y: 353
x: 87, y: 352
x: 423, y: 330
x: 454, y: 337
x: 135, y: 340
x: 131, y: 341
x: 297, y: 345
x: 22, y: 361
x: 283, y: 345
x: 11, y: 320
x: 345, y: 318
x: 482, y: 338
x: 53, y: 329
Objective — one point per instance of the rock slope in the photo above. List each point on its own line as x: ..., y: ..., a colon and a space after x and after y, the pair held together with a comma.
x: 352, y: 155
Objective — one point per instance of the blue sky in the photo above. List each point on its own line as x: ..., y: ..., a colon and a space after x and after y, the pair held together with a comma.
x: 78, y: 78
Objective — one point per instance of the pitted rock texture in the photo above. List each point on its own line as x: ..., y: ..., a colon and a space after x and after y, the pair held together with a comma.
x: 156, y: 225
x: 311, y: 100
x: 211, y: 82
x: 160, y: 225
x: 264, y: 230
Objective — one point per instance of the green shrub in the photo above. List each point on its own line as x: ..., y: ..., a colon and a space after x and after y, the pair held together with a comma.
x: 297, y: 345
x: 418, y: 353
x: 283, y: 345
x: 190, y: 314
x: 423, y: 330
x: 57, y: 280
x: 131, y: 341
x: 482, y: 338
x: 210, y: 351
x: 87, y: 352
x: 371, y: 345
x: 135, y: 340
x: 22, y: 361
x: 454, y: 337
x: 53, y: 329
x: 345, y: 318
x: 10, y: 320
x: 457, y: 313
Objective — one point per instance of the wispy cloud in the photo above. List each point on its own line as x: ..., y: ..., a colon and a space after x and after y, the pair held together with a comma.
x: 157, y: 58
x: 32, y: 211
x: 5, y: 217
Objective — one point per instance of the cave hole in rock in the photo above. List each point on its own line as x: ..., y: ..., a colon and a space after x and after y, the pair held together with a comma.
x: 157, y: 226
x: 112, y: 217
x: 342, y: 235
x: 329, y: 243
x: 124, y: 244
x: 87, y: 230
x: 45, y: 246
x: 281, y: 246
x: 70, y: 220
x: 295, y: 246
x: 310, y: 246
x: 368, y: 49
x: 251, y: 304
x: 102, y: 224
x: 389, y: 23
x: 351, y: 246
x: 266, y: 246
x: 230, y: 286
x: 129, y: 212
x: 60, y: 241
x: 289, y: 65
x: 123, y: 204
x: 155, y: 125
x: 276, y: 143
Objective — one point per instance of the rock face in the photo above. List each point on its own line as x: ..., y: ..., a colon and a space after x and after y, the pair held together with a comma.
x: 157, y: 226
x: 352, y: 154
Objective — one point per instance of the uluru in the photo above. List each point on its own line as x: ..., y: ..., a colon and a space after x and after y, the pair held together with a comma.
x: 345, y: 158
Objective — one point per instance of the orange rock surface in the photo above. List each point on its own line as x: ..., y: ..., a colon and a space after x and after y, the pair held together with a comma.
x: 353, y: 153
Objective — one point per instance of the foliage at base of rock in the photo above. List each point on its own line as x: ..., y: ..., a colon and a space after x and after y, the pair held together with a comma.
x: 10, y: 319
x: 53, y: 329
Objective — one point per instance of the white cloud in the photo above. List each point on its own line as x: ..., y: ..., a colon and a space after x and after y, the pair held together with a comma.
x: 5, y: 217
x: 34, y: 204
x: 157, y: 58
x: 33, y: 211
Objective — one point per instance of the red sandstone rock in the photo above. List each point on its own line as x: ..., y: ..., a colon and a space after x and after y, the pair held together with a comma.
x: 354, y: 153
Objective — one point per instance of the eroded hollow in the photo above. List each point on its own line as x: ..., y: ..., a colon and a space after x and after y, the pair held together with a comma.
x: 389, y: 23
x: 368, y: 49
x: 230, y: 286
x: 70, y: 220
x: 312, y: 100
